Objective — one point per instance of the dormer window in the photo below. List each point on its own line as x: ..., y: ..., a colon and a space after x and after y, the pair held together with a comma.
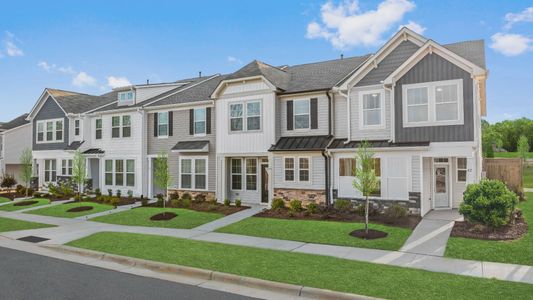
x: 125, y: 97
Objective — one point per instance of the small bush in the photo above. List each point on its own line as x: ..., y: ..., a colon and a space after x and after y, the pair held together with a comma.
x: 175, y: 203
x: 238, y: 203
x: 295, y: 205
x: 489, y: 203
x: 212, y: 207
x: 19, y: 189
x: 372, y: 211
x: 343, y: 205
x: 396, y: 211
x: 86, y: 198
x: 119, y: 193
x: 98, y: 192
x: 114, y: 201
x: 278, y: 203
x: 199, y: 198
x: 65, y: 189
x: 110, y: 192
x: 8, y: 181
x: 185, y: 203
x: 186, y: 196
x: 174, y: 196
x: 312, y: 208
x: 77, y: 198
x: 227, y: 202
x: 130, y: 194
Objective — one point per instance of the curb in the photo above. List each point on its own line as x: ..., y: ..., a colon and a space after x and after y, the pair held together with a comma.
x: 278, y: 287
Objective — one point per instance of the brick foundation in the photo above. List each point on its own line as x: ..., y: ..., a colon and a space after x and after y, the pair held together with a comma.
x: 209, y: 196
x: 306, y: 196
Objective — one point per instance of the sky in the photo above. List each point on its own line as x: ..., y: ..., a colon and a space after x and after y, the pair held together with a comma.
x: 93, y: 46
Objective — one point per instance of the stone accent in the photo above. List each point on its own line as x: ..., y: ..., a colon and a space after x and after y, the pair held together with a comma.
x: 67, y: 180
x: 306, y: 196
x: 34, y: 183
x: 413, y: 204
x: 209, y: 196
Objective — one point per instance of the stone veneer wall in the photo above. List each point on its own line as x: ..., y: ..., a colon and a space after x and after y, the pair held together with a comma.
x: 413, y: 204
x: 306, y: 196
x: 209, y: 196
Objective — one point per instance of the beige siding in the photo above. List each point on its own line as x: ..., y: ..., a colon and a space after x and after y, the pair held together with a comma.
x: 317, y: 172
x: 341, y: 117
x: 359, y: 133
x: 323, y: 109
x: 15, y: 141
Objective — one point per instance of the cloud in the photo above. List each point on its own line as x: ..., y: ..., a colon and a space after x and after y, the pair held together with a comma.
x: 66, y: 70
x: 524, y: 16
x: 46, y: 66
x: 83, y: 79
x: 414, y: 27
x: 510, y: 44
x: 10, y: 46
x: 234, y: 60
x: 53, y: 68
x: 115, y: 82
x: 345, y: 25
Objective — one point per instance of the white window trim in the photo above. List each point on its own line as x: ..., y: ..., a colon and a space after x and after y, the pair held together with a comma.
x: 193, y: 172
x: 296, y: 169
x: 260, y: 115
x: 50, y: 170
x: 121, y: 126
x: 294, y: 114
x: 101, y: 128
x: 245, y: 116
x: 126, y: 100
x: 432, y: 114
x: 381, y: 105
x: 309, y: 168
x: 44, y: 141
x: 124, y: 172
x: 68, y: 165
x: 200, y: 134
x: 77, y: 127
x: 242, y: 173
x: 256, y: 174
x: 457, y: 169
x: 159, y: 124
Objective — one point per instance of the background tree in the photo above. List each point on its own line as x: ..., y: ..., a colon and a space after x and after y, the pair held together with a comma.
x: 523, y: 147
x: 490, y: 138
x: 365, y: 180
x: 26, y: 160
x: 79, y: 171
x: 162, y: 178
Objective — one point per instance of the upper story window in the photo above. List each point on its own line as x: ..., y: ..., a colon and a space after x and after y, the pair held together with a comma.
x: 76, y: 127
x: 50, y: 131
x: 121, y: 126
x: 245, y: 116
x: 199, y: 121
x: 98, y: 129
x: 125, y: 96
x: 433, y: 103
x: 302, y: 114
x: 371, y: 109
x: 162, y: 124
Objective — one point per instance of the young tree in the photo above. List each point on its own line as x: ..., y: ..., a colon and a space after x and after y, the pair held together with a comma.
x: 162, y: 178
x: 79, y: 171
x: 523, y: 147
x: 26, y: 160
x: 365, y: 180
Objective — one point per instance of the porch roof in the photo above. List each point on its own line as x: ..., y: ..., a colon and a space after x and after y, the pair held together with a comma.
x: 74, y: 146
x: 94, y: 151
x: 302, y: 143
x: 340, y: 144
x: 191, y: 146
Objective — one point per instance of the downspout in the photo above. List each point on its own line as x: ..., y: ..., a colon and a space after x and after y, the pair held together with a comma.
x: 392, y: 118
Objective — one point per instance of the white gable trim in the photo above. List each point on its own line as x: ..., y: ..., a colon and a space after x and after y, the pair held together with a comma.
x: 431, y: 47
x: 40, y: 104
x: 14, y: 128
x: 373, y: 61
x: 222, y: 85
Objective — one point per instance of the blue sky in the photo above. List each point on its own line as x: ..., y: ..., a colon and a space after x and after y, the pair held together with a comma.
x: 88, y: 46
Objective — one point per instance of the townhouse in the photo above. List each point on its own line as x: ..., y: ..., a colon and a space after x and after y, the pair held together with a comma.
x: 14, y: 138
x: 289, y: 132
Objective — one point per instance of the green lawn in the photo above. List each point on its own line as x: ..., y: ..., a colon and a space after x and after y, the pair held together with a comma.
x: 4, y: 199
x: 515, y: 252
x: 61, y: 210
x: 13, y: 225
x: 528, y: 177
x: 186, y: 218
x: 305, y: 269
x: 322, y: 232
x: 511, y: 154
x: 12, y: 207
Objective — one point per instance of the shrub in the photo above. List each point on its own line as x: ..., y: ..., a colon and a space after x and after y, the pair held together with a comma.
x: 175, y: 202
x: 8, y: 181
x: 174, y: 196
x: 212, y: 207
x: 86, y: 198
x: 98, y: 192
x: 489, y: 202
x: 144, y: 201
x: 110, y: 192
x: 54, y: 190
x: 312, y: 208
x: 278, y: 203
x: 227, y: 202
x: 19, y: 189
x: 186, y: 196
x: 185, y: 203
x: 295, y: 205
x: 65, y: 189
x: 130, y: 194
x: 119, y: 193
x: 372, y: 211
x: 114, y: 201
x: 199, y: 198
x: 396, y: 211
x: 343, y: 205
x: 77, y: 198
x: 238, y: 203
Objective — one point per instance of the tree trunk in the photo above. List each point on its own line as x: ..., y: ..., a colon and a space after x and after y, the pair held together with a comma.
x: 27, y: 190
x: 366, y: 216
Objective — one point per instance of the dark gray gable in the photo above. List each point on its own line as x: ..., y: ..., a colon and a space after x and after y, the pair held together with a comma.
x: 50, y: 110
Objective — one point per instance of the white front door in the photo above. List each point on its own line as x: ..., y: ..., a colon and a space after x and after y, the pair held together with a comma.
x: 441, y: 186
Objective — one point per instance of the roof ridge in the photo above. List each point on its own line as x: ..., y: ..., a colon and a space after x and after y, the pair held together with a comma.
x: 77, y: 93
x: 329, y: 60
x: 466, y: 41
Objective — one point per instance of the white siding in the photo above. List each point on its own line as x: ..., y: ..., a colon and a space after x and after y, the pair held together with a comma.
x: 415, y: 174
x: 358, y: 133
x: 341, y: 117
x: 15, y: 141
x: 145, y: 93
x: 323, y: 109
x: 458, y: 188
x: 427, y: 191
x: 248, y: 86
x: 317, y: 172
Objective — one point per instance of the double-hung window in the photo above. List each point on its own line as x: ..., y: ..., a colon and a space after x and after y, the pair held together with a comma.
x: 162, y: 124
x: 119, y: 172
x: 377, y: 171
x: 40, y: 132
x: 461, y: 169
x: 126, y: 126
x: 130, y: 172
x: 76, y: 127
x: 251, y: 174
x: 289, y: 168
x: 236, y: 174
x: 121, y: 126
x: 236, y: 116
x: 302, y: 114
x: 193, y: 173
x: 253, y: 115
x: 433, y: 103
x: 245, y: 116
x: 109, y: 172
x: 199, y: 121
x: 98, y: 129
x: 371, y: 109
x: 50, y: 131
x: 297, y: 169
x: 115, y: 127
x: 303, y: 168
x: 66, y: 167
x: 50, y: 171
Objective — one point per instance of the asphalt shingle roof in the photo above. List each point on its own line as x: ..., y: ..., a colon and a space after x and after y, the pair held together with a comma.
x: 18, y: 121
x: 276, y: 76
x: 473, y: 51
x: 199, y: 92
x: 77, y: 103
x: 74, y: 146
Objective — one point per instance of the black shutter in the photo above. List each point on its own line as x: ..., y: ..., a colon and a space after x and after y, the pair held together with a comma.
x: 170, y: 123
x: 289, y: 115
x: 208, y: 120
x: 314, y: 113
x: 155, y: 124
x: 191, y: 121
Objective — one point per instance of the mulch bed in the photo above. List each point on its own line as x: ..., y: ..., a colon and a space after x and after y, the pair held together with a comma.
x: 80, y: 208
x: 12, y: 195
x: 123, y: 201
x: 372, y: 234
x: 164, y: 216
x: 25, y: 203
x: 207, y: 207
x: 514, y: 230
x: 331, y: 214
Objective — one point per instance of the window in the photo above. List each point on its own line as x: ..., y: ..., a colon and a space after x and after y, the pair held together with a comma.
x: 108, y: 172
x: 126, y: 126
x: 371, y: 107
x: 194, y: 173
x: 199, y: 121
x: 249, y: 119
x: 303, y: 168
x: 66, y: 167
x: 76, y: 127
x: 50, y: 131
x: 130, y: 172
x: 461, y: 169
x: 433, y: 103
x: 98, y: 128
x: 253, y: 115
x: 115, y: 127
x: 347, y: 167
x: 236, y: 174
x: 162, y: 124
x: 251, y: 174
x: 289, y: 168
x: 377, y: 171
x: 50, y: 171
x: 302, y: 114
x: 125, y: 96
x: 119, y: 172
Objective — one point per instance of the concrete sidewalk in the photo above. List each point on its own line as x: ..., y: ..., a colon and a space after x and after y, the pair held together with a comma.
x: 233, y: 218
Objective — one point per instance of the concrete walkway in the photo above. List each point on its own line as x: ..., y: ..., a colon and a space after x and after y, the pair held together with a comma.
x: 432, y: 233
x: 528, y: 190
x: 233, y: 218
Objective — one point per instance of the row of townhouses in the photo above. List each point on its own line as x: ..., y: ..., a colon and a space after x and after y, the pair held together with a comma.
x: 291, y: 132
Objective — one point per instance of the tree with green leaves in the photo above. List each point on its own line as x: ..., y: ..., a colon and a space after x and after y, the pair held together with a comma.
x: 523, y: 147
x: 79, y: 171
x: 162, y: 178
x: 490, y: 138
x: 26, y: 160
x: 366, y: 181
